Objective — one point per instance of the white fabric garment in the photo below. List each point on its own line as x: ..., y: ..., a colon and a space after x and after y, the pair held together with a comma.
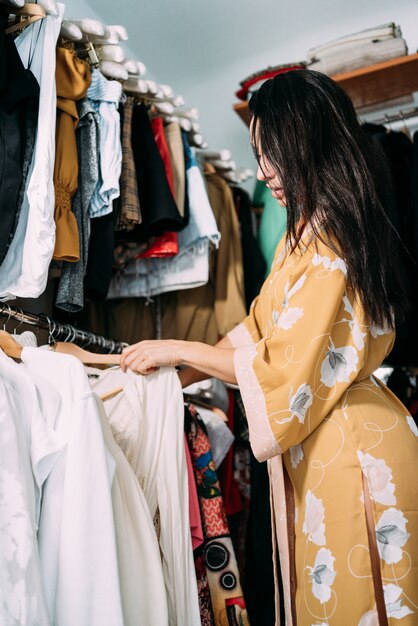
x: 220, y: 436
x: 190, y: 267
x: 24, y: 271
x: 28, y: 452
x: 104, y: 96
x: 376, y: 33
x: 360, y: 55
x: 144, y: 599
x: 147, y: 422
x: 76, y: 531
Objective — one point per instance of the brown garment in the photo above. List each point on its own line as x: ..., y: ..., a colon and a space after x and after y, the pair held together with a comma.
x: 172, y: 134
x: 73, y: 79
x: 130, y: 211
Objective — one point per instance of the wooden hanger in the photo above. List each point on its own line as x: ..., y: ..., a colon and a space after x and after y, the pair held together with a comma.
x: 28, y: 14
x: 10, y: 345
x: 86, y: 357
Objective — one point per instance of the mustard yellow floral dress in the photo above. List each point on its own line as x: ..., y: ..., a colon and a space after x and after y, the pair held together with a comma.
x: 342, y: 449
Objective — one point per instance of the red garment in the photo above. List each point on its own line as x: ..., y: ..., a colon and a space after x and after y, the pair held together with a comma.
x: 259, y: 77
x: 167, y: 244
x: 163, y: 246
x: 194, y: 511
x: 230, y: 490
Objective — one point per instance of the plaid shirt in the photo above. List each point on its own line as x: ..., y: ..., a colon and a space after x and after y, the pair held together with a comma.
x: 130, y: 212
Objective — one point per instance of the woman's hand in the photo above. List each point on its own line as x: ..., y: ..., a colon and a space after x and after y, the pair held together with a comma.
x: 147, y: 356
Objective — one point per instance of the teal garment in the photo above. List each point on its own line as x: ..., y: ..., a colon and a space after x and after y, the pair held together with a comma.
x: 273, y: 222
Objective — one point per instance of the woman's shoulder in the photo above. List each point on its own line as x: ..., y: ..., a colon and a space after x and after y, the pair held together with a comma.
x: 316, y: 252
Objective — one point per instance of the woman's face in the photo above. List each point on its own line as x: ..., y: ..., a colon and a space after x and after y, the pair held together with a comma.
x: 266, y: 173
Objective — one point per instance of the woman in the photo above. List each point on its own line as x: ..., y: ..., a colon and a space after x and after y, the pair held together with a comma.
x: 342, y: 450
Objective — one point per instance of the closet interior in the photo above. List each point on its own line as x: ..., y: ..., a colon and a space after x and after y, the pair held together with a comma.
x: 124, y: 499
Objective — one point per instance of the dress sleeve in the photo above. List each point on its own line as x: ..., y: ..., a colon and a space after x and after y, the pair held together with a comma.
x: 291, y: 379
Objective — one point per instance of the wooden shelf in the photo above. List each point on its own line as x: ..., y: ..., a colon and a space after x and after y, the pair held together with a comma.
x: 370, y: 85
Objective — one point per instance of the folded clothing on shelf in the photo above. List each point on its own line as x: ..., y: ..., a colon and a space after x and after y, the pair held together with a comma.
x: 370, y: 46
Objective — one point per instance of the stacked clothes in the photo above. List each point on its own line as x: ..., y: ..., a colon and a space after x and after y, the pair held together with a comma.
x: 370, y: 46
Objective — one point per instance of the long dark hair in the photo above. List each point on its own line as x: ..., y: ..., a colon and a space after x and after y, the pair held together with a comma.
x: 306, y: 127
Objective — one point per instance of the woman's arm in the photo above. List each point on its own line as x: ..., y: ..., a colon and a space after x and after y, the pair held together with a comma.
x: 190, y: 375
x: 145, y: 356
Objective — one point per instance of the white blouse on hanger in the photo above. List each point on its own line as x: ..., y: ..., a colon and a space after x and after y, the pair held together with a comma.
x: 24, y: 271
x: 29, y: 450
x: 147, y: 421
x: 144, y: 599
x: 77, y: 532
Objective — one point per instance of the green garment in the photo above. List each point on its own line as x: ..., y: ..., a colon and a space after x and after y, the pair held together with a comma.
x: 273, y: 222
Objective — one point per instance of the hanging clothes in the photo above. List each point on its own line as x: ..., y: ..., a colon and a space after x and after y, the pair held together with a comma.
x: 73, y: 524
x: 70, y: 296
x: 29, y: 450
x: 147, y: 422
x: 273, y: 222
x: 174, y: 140
x: 159, y: 210
x: 24, y: 270
x: 129, y: 212
x: 190, y: 267
x: 104, y: 96
x: 73, y: 80
x: 19, y: 103
x: 140, y: 572
x: 227, y: 600
x: 305, y: 373
x: 253, y: 262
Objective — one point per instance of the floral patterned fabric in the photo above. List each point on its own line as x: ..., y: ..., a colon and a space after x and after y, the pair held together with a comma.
x: 304, y: 361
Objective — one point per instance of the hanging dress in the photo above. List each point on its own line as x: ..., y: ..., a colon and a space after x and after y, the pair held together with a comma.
x: 342, y: 449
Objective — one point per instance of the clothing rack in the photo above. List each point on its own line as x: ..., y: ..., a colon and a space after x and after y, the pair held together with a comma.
x: 399, y: 116
x: 62, y: 332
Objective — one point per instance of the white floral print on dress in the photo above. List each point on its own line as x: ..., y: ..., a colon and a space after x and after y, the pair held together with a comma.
x: 370, y: 618
x: 412, y: 425
x: 322, y: 575
x: 296, y: 455
x: 337, y: 264
x: 314, y: 526
x: 358, y: 335
x: 393, y: 604
x: 338, y: 365
x: 300, y: 402
x: 379, y: 478
x: 288, y: 316
x: 391, y: 535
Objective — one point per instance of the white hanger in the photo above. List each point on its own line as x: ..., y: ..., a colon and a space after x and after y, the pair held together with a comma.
x: 226, y: 166
x: 118, y: 31
x: 196, y: 139
x: 178, y: 101
x: 113, y: 71
x: 90, y: 28
x: 195, y: 127
x: 164, y: 107
x: 167, y: 91
x: 71, y: 31
x: 184, y: 123
x: 50, y: 6
x: 222, y: 155
x: 136, y: 86
x: 190, y: 114
x: 152, y: 87
x: 113, y: 53
x: 171, y: 119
